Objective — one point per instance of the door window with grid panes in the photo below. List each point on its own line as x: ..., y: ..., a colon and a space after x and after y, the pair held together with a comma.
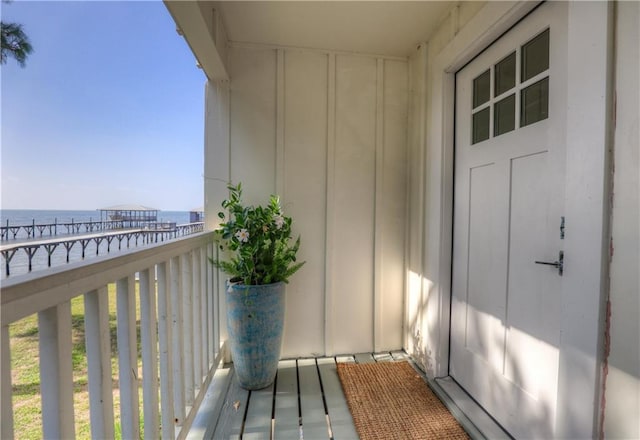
x: 512, y: 93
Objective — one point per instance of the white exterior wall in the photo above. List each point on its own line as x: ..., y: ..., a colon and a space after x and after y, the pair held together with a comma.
x: 327, y: 132
x: 622, y: 395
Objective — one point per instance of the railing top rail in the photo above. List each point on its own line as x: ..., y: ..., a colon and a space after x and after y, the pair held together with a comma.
x: 68, y: 238
x: 57, y: 223
x: 23, y: 295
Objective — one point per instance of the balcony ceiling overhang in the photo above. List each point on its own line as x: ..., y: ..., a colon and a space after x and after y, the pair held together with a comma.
x: 390, y: 28
x: 384, y: 28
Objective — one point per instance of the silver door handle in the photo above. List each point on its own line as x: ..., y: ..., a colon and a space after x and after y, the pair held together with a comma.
x: 557, y: 264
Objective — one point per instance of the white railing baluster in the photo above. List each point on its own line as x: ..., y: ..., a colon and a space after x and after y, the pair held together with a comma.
x: 219, y: 332
x: 6, y: 417
x: 98, y: 344
x: 177, y: 341
x: 204, y: 307
x: 149, y: 342
x: 218, y: 296
x: 128, y: 358
x: 196, y: 311
x: 211, y: 310
x: 166, y: 361
x: 56, y: 372
x: 187, y: 326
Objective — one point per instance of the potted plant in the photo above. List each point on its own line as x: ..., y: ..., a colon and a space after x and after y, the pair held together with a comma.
x: 260, y: 259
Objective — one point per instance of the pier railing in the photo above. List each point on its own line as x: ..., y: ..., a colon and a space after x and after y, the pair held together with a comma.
x: 100, y: 242
x: 41, y: 230
x: 33, y: 230
x: 179, y: 335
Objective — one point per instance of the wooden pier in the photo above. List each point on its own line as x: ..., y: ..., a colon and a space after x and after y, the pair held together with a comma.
x: 8, y: 232
x: 151, y: 233
x: 33, y: 230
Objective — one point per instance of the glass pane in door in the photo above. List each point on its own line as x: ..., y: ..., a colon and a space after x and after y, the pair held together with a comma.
x: 534, y: 102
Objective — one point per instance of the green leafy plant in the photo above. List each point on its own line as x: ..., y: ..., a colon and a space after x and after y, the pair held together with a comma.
x: 257, y: 241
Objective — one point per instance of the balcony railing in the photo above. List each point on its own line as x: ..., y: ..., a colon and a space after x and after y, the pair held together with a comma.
x: 179, y: 338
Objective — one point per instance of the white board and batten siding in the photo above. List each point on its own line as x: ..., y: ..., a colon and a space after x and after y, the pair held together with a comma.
x: 326, y: 131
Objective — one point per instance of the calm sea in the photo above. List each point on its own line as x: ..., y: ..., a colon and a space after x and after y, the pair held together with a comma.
x: 19, y: 217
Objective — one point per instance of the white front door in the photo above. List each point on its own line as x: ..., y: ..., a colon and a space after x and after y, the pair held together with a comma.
x: 508, y: 214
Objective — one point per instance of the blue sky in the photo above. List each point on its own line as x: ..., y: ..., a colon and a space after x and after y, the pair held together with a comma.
x: 108, y: 110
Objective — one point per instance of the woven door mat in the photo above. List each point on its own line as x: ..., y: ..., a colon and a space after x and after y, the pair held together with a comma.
x: 390, y: 400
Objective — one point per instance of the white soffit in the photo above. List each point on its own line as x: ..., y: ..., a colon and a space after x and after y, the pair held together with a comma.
x: 390, y: 28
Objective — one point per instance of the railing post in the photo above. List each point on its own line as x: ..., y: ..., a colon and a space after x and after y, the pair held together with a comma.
x: 98, y: 344
x: 149, y: 341
x: 56, y: 372
x: 128, y: 358
x: 166, y: 350
x: 6, y: 417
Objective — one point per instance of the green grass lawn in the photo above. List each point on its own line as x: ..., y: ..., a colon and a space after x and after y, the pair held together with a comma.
x: 25, y: 371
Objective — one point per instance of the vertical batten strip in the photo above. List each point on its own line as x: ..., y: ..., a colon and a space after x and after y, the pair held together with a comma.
x: 378, y: 210
x: 166, y: 361
x: 56, y: 372
x: 280, y: 147
x: 128, y: 358
x: 418, y: 163
x: 98, y: 345
x: 187, y: 328
x: 331, y: 153
x: 408, y: 199
x: 149, y: 342
x: 196, y: 312
x: 6, y: 419
x: 177, y: 340
x: 425, y: 159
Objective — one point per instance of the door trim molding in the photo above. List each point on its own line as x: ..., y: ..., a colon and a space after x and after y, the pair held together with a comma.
x: 590, y: 43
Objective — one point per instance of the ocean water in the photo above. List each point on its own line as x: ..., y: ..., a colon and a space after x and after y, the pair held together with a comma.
x: 18, y: 217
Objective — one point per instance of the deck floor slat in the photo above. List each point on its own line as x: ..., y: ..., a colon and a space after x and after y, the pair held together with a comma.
x: 232, y: 415
x: 258, y: 421
x: 383, y: 357
x: 364, y: 358
x: 399, y: 355
x: 314, y: 420
x: 339, y: 415
x: 286, y: 411
x: 345, y: 359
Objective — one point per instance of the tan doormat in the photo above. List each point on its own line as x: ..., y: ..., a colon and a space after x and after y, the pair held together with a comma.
x: 390, y: 400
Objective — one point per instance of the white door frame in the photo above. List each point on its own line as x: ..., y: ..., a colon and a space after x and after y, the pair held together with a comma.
x: 589, y: 98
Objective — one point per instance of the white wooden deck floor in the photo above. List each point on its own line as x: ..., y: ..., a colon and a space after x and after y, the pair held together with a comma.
x: 305, y: 402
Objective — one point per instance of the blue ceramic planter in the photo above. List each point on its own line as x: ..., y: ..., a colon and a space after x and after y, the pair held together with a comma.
x: 255, y: 318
